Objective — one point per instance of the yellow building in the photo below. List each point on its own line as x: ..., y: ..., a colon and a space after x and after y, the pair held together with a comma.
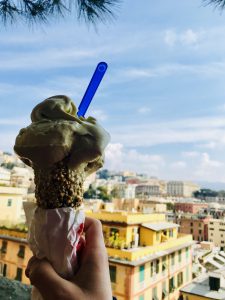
x: 206, y: 287
x: 11, y: 205
x: 149, y: 259
x: 14, y: 255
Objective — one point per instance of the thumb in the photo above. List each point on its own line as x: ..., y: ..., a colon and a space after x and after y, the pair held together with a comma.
x: 44, y: 278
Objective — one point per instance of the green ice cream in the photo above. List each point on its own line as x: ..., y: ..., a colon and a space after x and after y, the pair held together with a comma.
x: 57, y: 141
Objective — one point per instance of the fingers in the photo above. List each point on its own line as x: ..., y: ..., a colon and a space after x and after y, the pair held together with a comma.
x: 93, y: 234
x: 43, y: 276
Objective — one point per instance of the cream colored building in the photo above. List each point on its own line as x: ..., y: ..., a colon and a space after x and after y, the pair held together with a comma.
x: 216, y: 232
x: 14, y: 255
x: 4, y: 176
x: 181, y: 188
x: 148, y: 258
x: 22, y: 177
x: 11, y: 205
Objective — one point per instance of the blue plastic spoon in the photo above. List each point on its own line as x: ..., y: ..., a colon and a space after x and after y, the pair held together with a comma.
x: 92, y: 88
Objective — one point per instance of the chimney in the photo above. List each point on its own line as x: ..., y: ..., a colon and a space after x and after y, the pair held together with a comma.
x: 214, y: 283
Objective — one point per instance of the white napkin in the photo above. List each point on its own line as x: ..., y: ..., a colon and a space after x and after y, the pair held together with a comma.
x: 54, y: 234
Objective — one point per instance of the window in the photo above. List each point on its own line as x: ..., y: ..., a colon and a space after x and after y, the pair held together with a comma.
x: 164, y: 290
x: 179, y: 255
x: 171, y: 233
x: 152, y: 271
x: 4, y: 272
x: 113, y: 231
x: 21, y: 252
x: 191, y: 224
x: 200, y: 232
x: 180, y: 279
x: 187, y: 252
x: 191, y: 230
x: 164, y: 263
x: 187, y: 274
x: 9, y: 202
x: 157, y: 236
x: 141, y: 273
x: 172, y: 259
x: 157, y: 266
x: 4, y: 247
x: 19, y: 273
x: 154, y: 294
x: 171, y: 285
x: 112, y: 272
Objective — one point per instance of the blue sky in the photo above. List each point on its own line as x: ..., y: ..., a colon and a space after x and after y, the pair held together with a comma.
x: 162, y: 98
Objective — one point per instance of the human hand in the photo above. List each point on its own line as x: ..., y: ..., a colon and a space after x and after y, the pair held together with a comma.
x: 92, y: 280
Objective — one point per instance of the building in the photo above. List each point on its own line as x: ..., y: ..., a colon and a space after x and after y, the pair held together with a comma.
x: 206, y: 287
x: 4, y: 176
x: 216, y: 232
x: 190, y: 207
x: 21, y: 177
x: 11, y: 205
x: 145, y: 191
x: 181, y: 188
x: 148, y: 258
x: 14, y: 255
x: 195, y: 225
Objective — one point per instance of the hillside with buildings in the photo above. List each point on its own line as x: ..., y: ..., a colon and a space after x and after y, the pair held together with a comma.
x: 162, y: 243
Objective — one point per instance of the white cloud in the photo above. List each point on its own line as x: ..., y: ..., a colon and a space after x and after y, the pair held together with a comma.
x: 117, y: 157
x: 189, y: 37
x: 194, y: 130
x: 144, y: 110
x: 99, y: 114
x: 190, y: 153
x: 178, y: 164
x: 170, y: 37
x: 184, y: 38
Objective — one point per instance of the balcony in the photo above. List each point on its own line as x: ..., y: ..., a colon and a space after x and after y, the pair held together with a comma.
x: 142, y: 252
x: 126, y: 217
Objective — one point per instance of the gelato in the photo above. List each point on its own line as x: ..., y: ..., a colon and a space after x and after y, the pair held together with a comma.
x: 62, y: 149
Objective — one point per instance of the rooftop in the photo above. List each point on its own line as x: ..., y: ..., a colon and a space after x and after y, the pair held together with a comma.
x: 200, y: 287
x: 157, y: 226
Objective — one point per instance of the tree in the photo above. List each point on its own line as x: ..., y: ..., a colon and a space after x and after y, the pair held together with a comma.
x: 217, y: 3
x: 42, y: 10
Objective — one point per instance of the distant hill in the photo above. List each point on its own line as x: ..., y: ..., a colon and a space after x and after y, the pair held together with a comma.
x: 216, y: 186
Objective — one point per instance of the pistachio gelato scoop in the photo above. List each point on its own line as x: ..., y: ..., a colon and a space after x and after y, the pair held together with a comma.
x: 61, y: 148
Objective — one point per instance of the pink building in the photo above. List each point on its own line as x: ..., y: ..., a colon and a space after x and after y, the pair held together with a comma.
x: 192, y: 208
x: 196, y: 226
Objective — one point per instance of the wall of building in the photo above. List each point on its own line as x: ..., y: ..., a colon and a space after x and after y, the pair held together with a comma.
x: 12, y: 258
x: 11, y: 205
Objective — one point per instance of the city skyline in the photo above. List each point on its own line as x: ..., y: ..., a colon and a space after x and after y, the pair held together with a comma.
x: 162, y: 99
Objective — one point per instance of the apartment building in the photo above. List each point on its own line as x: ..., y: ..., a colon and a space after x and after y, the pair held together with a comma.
x: 148, y: 258
x: 195, y: 225
x: 181, y: 188
x: 216, y: 232
x: 190, y: 207
x: 145, y: 191
x: 14, y: 255
x: 11, y: 205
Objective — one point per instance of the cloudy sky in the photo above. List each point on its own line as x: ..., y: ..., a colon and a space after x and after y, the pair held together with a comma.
x: 162, y: 98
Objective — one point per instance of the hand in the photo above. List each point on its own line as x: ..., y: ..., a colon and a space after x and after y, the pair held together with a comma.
x: 92, y: 280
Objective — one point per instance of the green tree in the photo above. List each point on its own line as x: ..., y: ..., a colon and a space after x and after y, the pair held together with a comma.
x: 103, y: 194
x: 217, y: 3
x: 90, y: 193
x: 203, y: 193
x: 43, y: 10
x: 170, y: 206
